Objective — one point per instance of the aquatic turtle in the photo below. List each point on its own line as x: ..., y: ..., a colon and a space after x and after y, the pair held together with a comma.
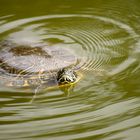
x: 35, y: 65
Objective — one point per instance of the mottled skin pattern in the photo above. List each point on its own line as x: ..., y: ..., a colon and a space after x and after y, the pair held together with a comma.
x: 66, y: 76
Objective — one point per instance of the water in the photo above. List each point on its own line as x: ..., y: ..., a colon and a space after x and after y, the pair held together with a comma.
x: 105, y: 103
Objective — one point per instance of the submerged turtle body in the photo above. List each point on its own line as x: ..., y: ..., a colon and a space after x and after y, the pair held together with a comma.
x: 28, y: 66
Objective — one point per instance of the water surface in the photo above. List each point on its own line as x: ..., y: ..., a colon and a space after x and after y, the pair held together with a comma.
x: 105, y: 103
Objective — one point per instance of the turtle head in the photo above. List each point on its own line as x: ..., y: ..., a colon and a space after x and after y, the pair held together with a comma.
x: 66, y: 76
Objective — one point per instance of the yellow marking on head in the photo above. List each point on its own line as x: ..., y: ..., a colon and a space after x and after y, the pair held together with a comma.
x: 79, y: 77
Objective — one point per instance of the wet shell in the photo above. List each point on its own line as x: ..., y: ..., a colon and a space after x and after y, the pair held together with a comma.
x: 25, y: 66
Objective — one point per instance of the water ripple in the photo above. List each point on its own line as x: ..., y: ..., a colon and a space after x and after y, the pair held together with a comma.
x: 108, y: 52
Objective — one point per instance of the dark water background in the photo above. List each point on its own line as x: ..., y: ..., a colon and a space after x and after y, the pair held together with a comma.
x: 105, y: 104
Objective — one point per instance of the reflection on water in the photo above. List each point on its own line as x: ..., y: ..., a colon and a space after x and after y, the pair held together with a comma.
x: 105, y: 103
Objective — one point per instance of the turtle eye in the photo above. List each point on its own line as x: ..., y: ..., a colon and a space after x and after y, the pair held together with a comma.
x: 61, y: 80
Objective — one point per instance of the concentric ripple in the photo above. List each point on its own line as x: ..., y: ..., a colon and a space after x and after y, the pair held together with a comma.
x: 99, y: 39
x: 99, y: 105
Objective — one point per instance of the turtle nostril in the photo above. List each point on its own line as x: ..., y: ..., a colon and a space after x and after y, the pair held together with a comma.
x: 67, y: 79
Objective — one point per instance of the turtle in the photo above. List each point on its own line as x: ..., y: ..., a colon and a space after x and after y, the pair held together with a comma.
x: 30, y: 66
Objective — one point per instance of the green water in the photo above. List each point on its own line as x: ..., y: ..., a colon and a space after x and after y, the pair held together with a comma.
x: 105, y: 103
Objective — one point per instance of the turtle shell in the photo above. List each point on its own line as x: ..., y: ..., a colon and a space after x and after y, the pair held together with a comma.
x: 22, y: 66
